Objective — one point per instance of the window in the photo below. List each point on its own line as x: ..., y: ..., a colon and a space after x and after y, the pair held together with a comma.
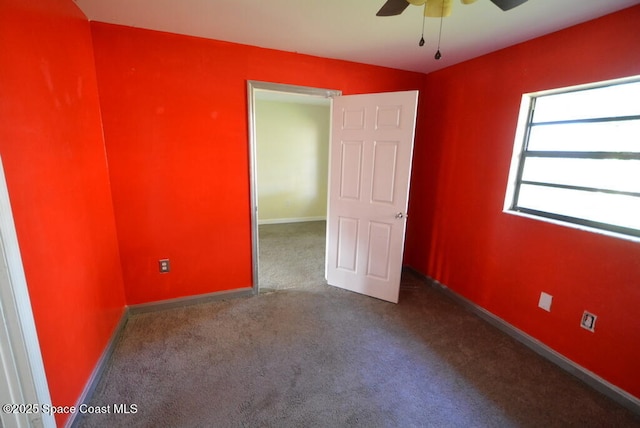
x: 577, y: 157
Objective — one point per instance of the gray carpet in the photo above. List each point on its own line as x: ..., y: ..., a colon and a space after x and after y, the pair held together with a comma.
x: 318, y: 356
x: 291, y: 255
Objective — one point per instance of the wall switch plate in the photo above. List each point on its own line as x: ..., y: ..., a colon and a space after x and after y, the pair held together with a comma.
x: 588, y: 321
x: 164, y: 265
x: 545, y: 301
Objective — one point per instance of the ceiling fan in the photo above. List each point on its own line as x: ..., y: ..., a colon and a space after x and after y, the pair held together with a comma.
x: 437, y: 8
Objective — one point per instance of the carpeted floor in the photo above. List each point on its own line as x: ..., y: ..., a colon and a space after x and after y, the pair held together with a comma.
x: 291, y: 255
x: 318, y: 356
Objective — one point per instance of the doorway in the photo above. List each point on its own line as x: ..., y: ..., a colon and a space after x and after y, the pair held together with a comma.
x: 289, y: 167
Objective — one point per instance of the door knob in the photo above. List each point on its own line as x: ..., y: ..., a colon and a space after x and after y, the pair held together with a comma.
x: 399, y: 215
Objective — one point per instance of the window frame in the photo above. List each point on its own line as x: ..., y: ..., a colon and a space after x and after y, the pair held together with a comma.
x: 521, y: 153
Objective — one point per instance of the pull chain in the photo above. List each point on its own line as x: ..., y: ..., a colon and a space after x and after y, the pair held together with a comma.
x: 438, y: 55
x: 424, y: 16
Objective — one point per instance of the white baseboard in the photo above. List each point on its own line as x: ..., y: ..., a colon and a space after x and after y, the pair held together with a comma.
x: 617, y: 394
x: 290, y: 220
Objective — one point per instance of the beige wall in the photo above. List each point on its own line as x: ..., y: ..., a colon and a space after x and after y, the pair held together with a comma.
x: 292, y: 154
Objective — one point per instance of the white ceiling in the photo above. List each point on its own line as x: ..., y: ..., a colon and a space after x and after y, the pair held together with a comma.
x: 350, y: 29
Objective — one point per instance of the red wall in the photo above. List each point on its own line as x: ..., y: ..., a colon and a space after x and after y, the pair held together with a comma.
x: 53, y: 153
x: 458, y: 234
x: 175, y: 122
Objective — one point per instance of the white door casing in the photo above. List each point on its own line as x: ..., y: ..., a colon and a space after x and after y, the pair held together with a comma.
x: 253, y: 88
x: 22, y: 376
x: 370, y: 166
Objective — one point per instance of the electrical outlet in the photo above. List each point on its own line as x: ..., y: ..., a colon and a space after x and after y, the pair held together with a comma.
x: 588, y: 321
x: 545, y: 301
x: 164, y: 265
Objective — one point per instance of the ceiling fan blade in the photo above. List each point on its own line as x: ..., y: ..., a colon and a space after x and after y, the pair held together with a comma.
x: 438, y: 8
x: 392, y: 8
x: 507, y: 4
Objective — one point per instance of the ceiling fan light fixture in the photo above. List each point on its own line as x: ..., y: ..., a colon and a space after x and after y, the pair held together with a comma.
x: 438, y: 8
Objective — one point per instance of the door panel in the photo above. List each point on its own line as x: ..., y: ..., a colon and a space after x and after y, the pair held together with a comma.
x: 378, y: 250
x: 347, y: 239
x: 385, y: 161
x: 351, y: 169
x: 370, y: 164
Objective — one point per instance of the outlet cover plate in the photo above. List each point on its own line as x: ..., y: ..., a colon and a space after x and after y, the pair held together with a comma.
x: 164, y: 266
x: 545, y: 301
x: 588, y: 321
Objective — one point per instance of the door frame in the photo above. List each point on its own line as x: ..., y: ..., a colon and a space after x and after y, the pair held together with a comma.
x: 22, y: 362
x: 253, y: 87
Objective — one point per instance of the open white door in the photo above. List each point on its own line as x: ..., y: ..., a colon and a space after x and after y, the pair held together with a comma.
x: 369, y: 170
